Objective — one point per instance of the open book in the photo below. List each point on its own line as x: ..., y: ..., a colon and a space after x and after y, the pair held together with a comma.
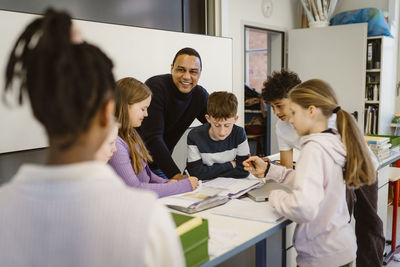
x: 211, y: 194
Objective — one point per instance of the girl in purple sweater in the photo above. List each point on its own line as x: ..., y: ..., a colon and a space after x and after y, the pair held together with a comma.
x: 131, y: 159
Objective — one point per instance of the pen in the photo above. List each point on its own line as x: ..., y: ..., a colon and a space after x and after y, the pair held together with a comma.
x: 187, y: 173
x: 252, y: 163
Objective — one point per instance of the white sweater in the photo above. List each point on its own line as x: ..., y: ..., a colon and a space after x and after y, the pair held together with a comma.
x: 82, y: 215
x: 323, y: 235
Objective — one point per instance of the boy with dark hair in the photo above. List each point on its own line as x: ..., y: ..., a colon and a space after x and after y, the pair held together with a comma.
x: 275, y: 92
x: 219, y: 147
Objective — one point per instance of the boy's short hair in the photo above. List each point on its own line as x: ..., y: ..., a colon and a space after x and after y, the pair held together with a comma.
x: 278, y: 85
x: 222, y: 105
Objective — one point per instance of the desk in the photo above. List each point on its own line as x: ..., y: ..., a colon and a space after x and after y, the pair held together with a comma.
x: 248, y: 233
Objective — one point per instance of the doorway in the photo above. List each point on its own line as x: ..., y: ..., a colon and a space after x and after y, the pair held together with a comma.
x: 264, y: 53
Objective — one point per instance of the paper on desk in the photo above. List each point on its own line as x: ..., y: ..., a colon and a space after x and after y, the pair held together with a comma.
x: 220, y: 241
x: 232, y: 187
x: 262, y: 212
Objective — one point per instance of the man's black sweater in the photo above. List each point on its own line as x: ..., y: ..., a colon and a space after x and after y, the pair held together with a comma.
x: 170, y: 114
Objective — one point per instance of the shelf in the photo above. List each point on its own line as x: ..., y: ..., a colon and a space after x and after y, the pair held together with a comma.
x: 374, y: 37
x: 252, y: 111
x: 395, y: 125
x: 372, y: 102
x: 373, y: 70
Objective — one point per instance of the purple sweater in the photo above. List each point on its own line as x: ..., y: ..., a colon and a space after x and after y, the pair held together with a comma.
x: 121, y: 162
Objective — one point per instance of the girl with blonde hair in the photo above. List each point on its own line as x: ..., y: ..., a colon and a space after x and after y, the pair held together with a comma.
x: 328, y: 161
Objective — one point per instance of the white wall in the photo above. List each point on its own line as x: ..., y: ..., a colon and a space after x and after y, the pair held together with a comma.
x: 393, y: 9
x: 235, y: 14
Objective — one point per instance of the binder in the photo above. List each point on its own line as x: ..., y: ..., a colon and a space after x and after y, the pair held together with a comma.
x: 194, y: 240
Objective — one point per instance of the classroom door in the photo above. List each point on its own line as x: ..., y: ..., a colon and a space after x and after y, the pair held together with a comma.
x: 336, y: 54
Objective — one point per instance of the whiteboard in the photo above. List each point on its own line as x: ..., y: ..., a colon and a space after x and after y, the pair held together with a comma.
x: 136, y: 52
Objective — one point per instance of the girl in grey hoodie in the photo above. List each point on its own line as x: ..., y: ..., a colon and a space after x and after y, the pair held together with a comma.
x: 328, y: 162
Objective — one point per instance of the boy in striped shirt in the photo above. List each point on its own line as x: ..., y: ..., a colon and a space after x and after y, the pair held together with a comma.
x: 218, y: 147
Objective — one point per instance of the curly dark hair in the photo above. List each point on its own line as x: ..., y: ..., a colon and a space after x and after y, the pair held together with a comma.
x: 66, y: 83
x: 279, y: 84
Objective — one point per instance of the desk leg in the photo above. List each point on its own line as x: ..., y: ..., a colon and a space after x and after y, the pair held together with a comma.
x: 393, y: 250
x: 284, y: 247
x: 394, y: 220
x: 261, y: 253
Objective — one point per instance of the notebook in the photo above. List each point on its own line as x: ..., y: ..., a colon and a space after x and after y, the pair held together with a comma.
x: 261, y: 193
x: 211, y: 194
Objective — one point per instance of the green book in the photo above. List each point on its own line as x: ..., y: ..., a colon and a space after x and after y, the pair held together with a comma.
x: 193, y: 233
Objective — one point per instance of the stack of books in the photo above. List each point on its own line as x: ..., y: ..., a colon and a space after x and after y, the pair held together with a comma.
x: 379, y: 145
x: 193, y: 233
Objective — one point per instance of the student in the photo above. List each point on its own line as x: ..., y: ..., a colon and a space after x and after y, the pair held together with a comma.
x: 177, y: 101
x: 73, y: 210
x: 368, y: 225
x: 131, y: 158
x: 275, y: 93
x: 317, y: 202
x: 219, y: 147
x: 108, y: 148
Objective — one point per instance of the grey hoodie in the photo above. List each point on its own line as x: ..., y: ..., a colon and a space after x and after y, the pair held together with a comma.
x: 317, y: 203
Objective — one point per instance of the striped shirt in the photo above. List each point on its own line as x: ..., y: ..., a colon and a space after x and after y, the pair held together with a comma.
x: 209, y: 159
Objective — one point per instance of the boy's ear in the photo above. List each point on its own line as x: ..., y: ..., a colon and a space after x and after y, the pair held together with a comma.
x: 207, y: 117
x: 236, y: 118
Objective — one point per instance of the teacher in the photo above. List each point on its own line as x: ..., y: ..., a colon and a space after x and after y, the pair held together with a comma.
x: 177, y: 101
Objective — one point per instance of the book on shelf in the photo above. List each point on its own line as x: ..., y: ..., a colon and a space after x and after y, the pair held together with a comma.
x: 376, y: 140
x: 211, y: 194
x: 193, y: 233
x: 373, y: 54
x: 371, y: 119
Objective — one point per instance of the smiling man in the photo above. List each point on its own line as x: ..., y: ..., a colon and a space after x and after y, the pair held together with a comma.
x: 177, y: 101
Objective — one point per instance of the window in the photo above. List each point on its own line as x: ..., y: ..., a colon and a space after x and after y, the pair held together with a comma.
x: 263, y: 54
